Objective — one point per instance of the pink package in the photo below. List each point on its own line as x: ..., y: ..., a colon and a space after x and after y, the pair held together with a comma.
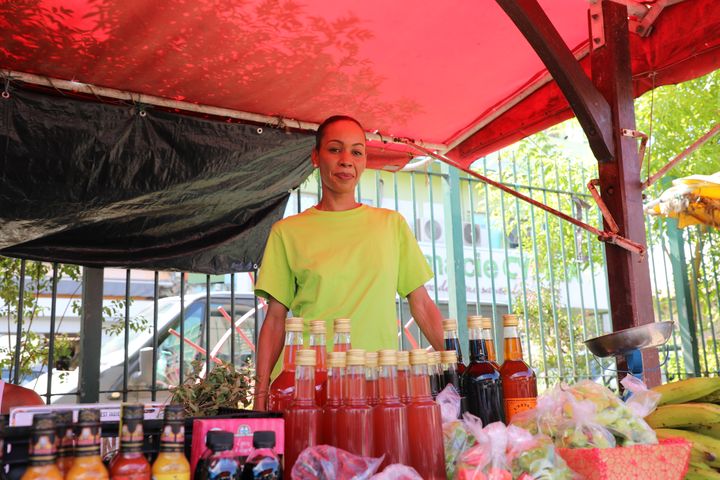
x: 242, y: 428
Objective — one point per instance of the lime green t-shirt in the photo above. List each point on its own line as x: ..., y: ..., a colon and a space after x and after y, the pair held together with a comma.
x: 324, y: 265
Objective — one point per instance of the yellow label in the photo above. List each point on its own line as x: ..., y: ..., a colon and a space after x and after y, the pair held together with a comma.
x: 513, y: 406
x: 171, y: 476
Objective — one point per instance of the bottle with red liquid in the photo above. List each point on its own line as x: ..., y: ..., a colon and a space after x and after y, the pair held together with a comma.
x: 489, y: 340
x: 448, y: 365
x: 518, y: 379
x: 403, y: 367
x: 390, y: 415
x: 317, y: 343
x: 331, y: 411
x: 282, y: 389
x: 130, y: 462
x: 434, y: 373
x: 371, y: 377
x: 481, y: 381
x: 450, y: 332
x: 341, y: 339
x: 302, y: 418
x: 355, y: 419
x: 427, y: 453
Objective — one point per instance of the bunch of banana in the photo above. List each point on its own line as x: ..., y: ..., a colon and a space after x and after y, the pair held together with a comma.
x: 690, y: 409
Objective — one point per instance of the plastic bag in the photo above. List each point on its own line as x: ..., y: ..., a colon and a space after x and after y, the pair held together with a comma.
x: 456, y: 439
x: 449, y: 401
x: 323, y: 461
x: 534, y: 457
x: 486, y: 459
x: 580, y: 428
x: 397, y: 471
x: 642, y: 401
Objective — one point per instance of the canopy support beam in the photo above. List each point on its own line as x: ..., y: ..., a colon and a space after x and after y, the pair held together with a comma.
x: 590, y: 107
x: 628, y: 273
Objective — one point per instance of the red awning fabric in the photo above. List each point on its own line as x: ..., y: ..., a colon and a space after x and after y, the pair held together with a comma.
x: 457, y: 74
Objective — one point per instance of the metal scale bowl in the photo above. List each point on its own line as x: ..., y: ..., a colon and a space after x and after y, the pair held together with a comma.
x: 630, y: 342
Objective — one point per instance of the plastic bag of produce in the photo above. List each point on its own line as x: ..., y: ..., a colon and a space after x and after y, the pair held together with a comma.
x: 486, y: 459
x: 580, y: 427
x: 535, y: 457
x: 323, y: 461
x: 642, y: 400
x: 455, y: 437
x: 397, y: 471
x: 449, y: 401
x: 546, y: 417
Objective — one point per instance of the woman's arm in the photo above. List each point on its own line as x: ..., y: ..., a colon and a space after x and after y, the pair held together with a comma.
x: 427, y: 316
x: 270, y: 344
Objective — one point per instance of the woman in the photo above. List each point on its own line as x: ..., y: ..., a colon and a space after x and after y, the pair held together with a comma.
x: 342, y: 259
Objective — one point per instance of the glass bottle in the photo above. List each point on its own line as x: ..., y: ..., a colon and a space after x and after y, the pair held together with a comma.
x: 219, y: 461
x: 450, y: 332
x: 64, y: 426
x: 171, y: 463
x: 130, y: 462
x: 331, y: 411
x: 283, y: 387
x: 88, y: 464
x: 427, y: 454
x: 43, y: 448
x: 448, y: 365
x: 489, y: 340
x: 355, y: 416
x: 518, y: 379
x: 317, y: 343
x: 371, y: 377
x: 390, y: 415
x: 302, y: 418
x: 434, y: 373
x: 341, y: 340
x: 403, y: 365
x: 263, y: 462
x: 481, y: 381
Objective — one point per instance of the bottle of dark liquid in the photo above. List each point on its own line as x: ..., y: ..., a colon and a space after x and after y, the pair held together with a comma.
x: 518, y: 379
x: 130, y: 462
x: 262, y: 463
x: 43, y: 450
x: 88, y: 464
x: 434, y: 373
x: 452, y: 342
x: 448, y: 365
x: 64, y: 426
x: 481, y: 380
x: 219, y: 461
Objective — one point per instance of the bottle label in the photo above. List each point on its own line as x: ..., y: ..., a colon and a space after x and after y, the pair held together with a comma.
x: 132, y: 476
x: 171, y: 476
x: 513, y: 406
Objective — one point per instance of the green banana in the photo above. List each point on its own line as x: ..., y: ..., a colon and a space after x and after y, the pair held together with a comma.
x: 684, y: 415
x: 696, y: 472
x: 704, y: 449
x: 687, y: 390
x: 714, y: 397
x: 712, y: 430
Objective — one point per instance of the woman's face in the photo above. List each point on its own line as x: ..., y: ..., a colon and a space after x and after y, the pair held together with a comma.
x: 341, y: 157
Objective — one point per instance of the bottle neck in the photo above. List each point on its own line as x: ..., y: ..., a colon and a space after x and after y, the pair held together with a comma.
x: 42, y: 449
x: 388, y: 384
x: 305, y: 385
x: 453, y: 343
x: 88, y: 441
x: 371, y: 373
x: 341, y: 342
x: 356, y: 386
x: 293, y: 343
x: 419, y: 383
x: 65, y: 445
x: 173, y: 437
x: 131, y: 438
x: 513, y: 347
x: 335, y: 382
x: 477, y: 345
x: 317, y: 343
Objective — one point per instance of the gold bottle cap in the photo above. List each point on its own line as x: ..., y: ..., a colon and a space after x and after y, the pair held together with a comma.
x: 510, y: 321
x: 371, y: 359
x: 403, y: 358
x: 418, y: 357
x: 294, y: 324
x: 318, y: 327
x: 474, y: 321
x: 449, y: 324
x: 341, y: 325
x: 388, y: 357
x: 305, y: 357
x: 337, y: 359
x: 487, y: 323
x: 433, y: 358
x: 448, y: 356
x: 355, y: 356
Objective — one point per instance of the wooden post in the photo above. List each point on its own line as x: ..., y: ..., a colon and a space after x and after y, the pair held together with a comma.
x: 628, y: 273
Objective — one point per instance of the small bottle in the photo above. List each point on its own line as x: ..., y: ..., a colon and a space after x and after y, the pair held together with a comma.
x: 341, y: 340
x: 452, y: 342
x: 403, y: 364
x: 130, y: 462
x: 43, y: 448
x: 489, y: 340
x: 317, y: 343
x: 390, y: 415
x: 219, y: 461
x: 481, y: 381
x: 518, y: 379
x: 448, y: 365
x: 331, y: 411
x: 356, y: 415
x: 302, y: 418
x: 283, y: 387
x: 64, y: 426
x: 263, y: 462
x: 171, y: 463
x: 88, y: 464
x: 434, y: 373
x: 371, y: 377
x: 427, y: 454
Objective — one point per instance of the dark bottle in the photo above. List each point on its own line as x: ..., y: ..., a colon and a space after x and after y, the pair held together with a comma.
x: 452, y: 342
x: 263, y: 462
x: 448, y: 365
x: 481, y: 380
x: 434, y: 373
x: 219, y: 461
x: 130, y: 462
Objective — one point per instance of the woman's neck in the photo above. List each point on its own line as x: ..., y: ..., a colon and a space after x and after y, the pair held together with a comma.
x: 337, y: 203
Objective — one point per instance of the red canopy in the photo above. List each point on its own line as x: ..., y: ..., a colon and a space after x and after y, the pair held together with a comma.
x: 457, y: 74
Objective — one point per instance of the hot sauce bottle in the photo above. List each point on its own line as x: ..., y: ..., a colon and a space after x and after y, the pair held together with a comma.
x: 403, y: 364
x: 317, y: 343
x: 331, y: 411
x: 42, y: 450
x: 427, y: 454
x: 518, y: 379
x: 341, y: 339
x: 371, y: 377
x: 88, y: 464
x: 130, y: 462
x: 171, y: 463
x: 390, y: 415
x: 452, y: 342
x: 489, y: 340
x: 355, y: 414
x: 64, y: 426
x: 283, y: 387
x: 302, y: 418
x: 481, y: 381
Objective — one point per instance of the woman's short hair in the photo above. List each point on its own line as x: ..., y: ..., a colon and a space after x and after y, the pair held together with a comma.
x: 329, y: 121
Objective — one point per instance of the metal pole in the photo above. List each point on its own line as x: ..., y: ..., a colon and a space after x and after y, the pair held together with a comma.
x: 91, y: 335
x: 18, y: 333
x: 457, y: 294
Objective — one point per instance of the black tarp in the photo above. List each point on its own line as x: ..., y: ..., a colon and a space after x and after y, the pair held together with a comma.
x: 121, y: 185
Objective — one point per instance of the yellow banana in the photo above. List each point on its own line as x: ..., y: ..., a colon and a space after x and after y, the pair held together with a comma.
x: 687, y: 390
x: 712, y: 430
x: 684, y: 415
x: 714, y: 397
x: 704, y: 449
x: 696, y: 472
